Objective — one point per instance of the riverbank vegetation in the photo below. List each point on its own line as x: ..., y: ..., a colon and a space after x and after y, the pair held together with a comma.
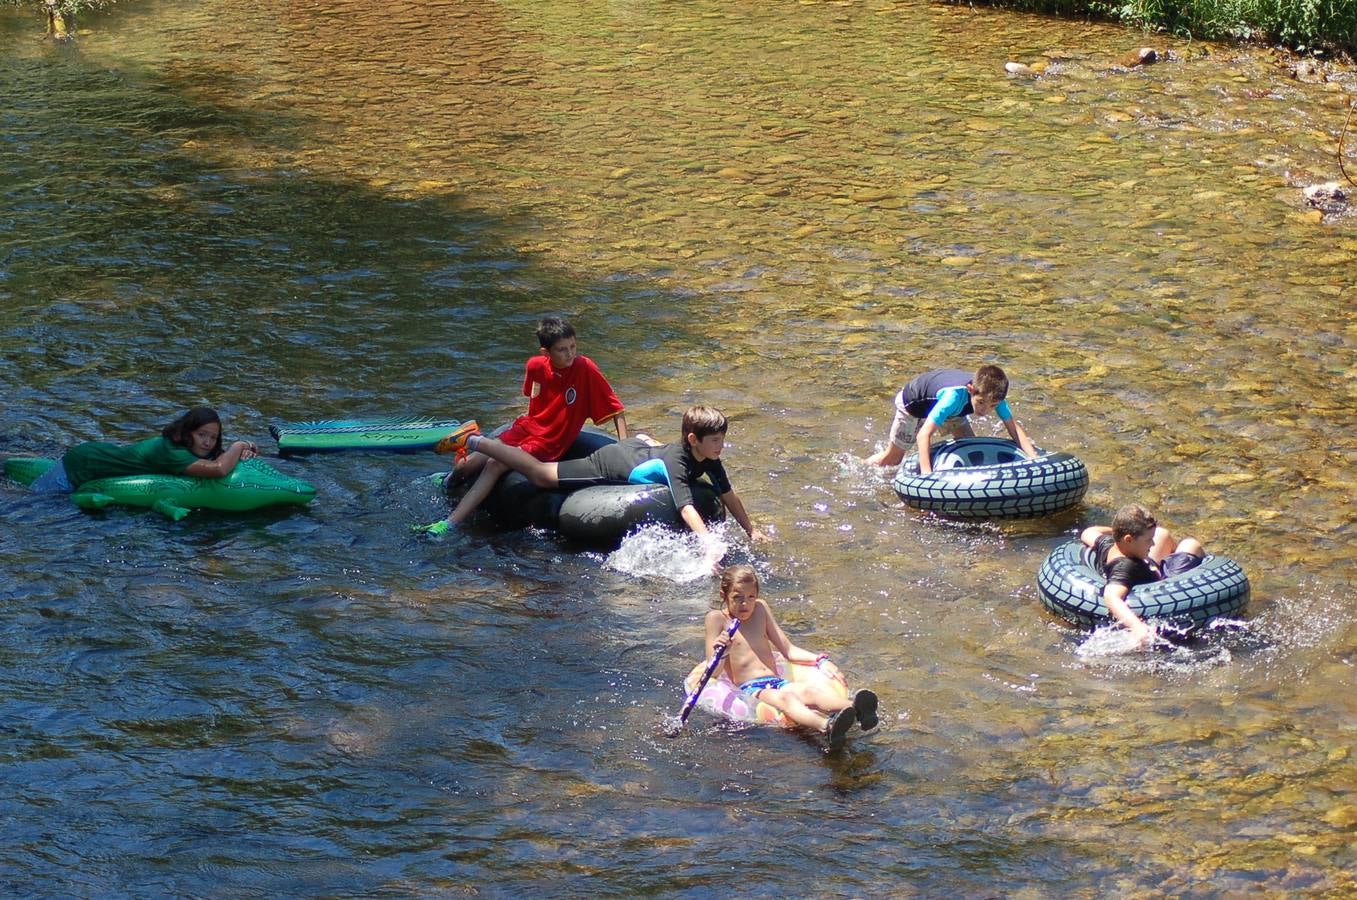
x: 57, y: 12
x: 1300, y: 24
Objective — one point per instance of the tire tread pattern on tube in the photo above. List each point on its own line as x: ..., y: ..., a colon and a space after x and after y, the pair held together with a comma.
x: 1021, y: 488
x: 1070, y: 587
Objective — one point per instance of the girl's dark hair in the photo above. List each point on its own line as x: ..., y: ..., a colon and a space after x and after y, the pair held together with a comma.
x: 177, y: 432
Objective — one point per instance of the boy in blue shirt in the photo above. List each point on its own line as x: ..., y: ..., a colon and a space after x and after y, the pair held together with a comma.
x: 946, y: 397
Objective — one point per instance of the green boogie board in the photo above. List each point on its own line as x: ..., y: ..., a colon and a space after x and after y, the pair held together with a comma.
x: 251, y: 485
x: 332, y: 435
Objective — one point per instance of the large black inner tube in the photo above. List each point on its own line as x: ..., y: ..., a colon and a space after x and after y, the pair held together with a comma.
x: 1072, y: 588
x: 598, y: 516
x: 990, y: 478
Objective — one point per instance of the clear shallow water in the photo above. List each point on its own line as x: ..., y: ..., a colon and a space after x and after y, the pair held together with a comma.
x: 308, y: 210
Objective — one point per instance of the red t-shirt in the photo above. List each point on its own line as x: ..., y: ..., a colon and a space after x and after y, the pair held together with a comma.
x: 558, y: 404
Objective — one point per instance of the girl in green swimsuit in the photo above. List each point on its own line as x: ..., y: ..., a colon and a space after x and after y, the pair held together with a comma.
x: 190, y: 445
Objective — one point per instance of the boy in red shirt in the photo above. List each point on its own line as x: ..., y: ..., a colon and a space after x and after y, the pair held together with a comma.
x: 563, y: 389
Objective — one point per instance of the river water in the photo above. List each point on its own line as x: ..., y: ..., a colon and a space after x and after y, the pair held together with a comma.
x: 338, y: 208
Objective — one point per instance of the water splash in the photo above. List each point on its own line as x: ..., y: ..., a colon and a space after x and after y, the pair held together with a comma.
x: 1107, y: 641
x: 658, y: 552
x: 1173, y: 649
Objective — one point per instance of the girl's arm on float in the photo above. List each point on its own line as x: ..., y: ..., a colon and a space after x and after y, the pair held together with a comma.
x: 225, y: 464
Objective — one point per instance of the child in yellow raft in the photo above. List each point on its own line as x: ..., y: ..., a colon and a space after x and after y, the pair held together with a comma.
x: 749, y: 663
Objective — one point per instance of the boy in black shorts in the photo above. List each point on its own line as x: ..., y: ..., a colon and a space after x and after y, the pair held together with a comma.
x: 1135, y: 551
x: 639, y: 460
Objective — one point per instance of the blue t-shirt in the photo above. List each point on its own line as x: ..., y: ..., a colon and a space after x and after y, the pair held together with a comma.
x: 952, y: 403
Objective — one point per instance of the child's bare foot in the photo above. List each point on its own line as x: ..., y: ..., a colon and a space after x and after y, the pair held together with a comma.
x: 864, y: 705
x: 837, y: 727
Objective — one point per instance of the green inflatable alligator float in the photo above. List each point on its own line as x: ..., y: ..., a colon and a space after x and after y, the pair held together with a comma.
x: 251, y: 485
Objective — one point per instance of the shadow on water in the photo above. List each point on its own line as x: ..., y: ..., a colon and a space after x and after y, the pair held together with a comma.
x: 263, y: 701
x: 150, y: 263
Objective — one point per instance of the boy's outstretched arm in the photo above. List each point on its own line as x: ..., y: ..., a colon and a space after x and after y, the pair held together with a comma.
x: 924, y: 442
x: 797, y: 655
x: 1015, y: 431
x: 693, y: 519
x: 620, y: 421
x: 1114, y: 597
x: 732, y: 502
x: 1089, y: 536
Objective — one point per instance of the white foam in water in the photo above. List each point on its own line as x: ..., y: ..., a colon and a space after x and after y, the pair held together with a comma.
x: 658, y: 552
x: 1113, y: 646
x: 1108, y: 640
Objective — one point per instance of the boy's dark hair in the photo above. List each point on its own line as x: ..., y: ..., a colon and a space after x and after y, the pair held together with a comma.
x: 703, y: 421
x: 1131, y: 521
x: 732, y: 576
x: 177, y: 432
x: 991, y: 383
x: 552, y: 329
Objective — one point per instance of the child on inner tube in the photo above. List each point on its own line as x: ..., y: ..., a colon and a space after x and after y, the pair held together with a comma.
x: 638, y: 460
x: 1136, y: 551
x: 190, y: 445
x: 749, y: 662
x: 946, y: 398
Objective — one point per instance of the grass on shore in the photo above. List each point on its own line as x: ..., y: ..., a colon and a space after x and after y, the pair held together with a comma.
x: 1301, y: 24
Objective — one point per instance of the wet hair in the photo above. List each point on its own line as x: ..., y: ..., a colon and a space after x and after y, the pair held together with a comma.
x: 552, y: 329
x: 991, y: 383
x: 178, y: 431
x: 734, y: 575
x: 1131, y: 521
x: 703, y: 421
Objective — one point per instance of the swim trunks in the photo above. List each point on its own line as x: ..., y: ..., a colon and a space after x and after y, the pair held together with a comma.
x: 755, y: 685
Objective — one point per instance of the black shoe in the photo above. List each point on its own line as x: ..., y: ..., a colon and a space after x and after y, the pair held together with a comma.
x: 864, y: 704
x: 838, y: 725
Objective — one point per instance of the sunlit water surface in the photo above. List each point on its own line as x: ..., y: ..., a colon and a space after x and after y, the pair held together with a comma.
x: 314, y: 209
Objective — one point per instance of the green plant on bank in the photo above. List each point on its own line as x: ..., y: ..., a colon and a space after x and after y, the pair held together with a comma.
x: 1303, y: 24
x: 58, y: 12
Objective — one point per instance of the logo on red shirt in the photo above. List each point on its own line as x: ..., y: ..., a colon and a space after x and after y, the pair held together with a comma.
x: 569, y: 396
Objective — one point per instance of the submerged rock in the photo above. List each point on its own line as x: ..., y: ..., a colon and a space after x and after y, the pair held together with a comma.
x: 1142, y: 56
x: 1329, y: 196
x: 1309, y: 71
